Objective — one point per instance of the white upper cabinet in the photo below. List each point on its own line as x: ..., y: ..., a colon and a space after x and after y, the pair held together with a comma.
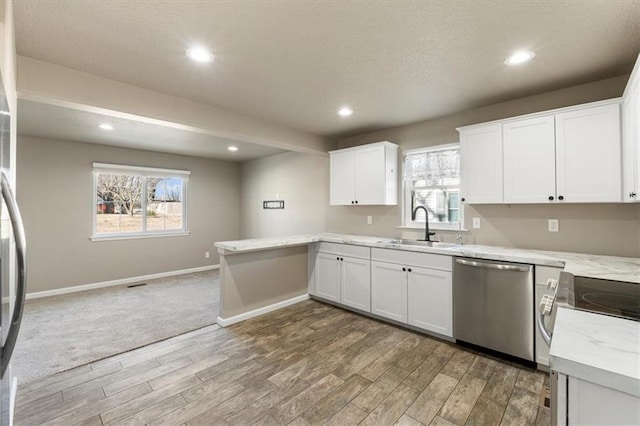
x: 481, y: 164
x: 529, y: 160
x: 343, y: 183
x: 588, y: 159
x: 569, y: 155
x: 631, y: 138
x: 364, y: 175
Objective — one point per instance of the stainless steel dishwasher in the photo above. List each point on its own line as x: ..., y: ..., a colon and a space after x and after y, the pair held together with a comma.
x: 493, y: 305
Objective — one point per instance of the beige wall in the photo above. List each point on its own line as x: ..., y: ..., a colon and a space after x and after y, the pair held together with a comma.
x: 588, y: 228
x: 301, y: 180
x: 55, y: 197
x: 261, y: 278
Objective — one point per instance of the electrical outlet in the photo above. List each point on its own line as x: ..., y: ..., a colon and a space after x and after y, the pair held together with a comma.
x: 476, y: 222
x: 369, y: 220
x: 553, y: 225
x: 206, y: 255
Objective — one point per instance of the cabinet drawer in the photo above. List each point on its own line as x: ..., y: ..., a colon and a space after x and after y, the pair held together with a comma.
x: 543, y: 273
x: 412, y: 258
x: 344, y: 250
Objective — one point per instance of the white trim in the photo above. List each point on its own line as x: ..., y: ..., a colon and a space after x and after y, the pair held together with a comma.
x: 12, y: 399
x: 122, y: 281
x: 431, y: 148
x: 105, y: 167
x: 225, y: 322
x: 406, y: 215
x: 369, y: 145
x: 542, y: 113
x: 436, y: 227
x: 137, y: 236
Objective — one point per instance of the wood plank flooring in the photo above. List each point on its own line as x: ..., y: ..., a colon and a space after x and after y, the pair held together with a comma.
x: 307, y: 364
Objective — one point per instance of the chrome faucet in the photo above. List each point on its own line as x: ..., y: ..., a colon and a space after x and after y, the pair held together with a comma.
x: 427, y: 234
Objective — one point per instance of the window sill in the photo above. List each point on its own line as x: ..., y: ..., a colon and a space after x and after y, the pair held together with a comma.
x: 433, y: 227
x: 115, y: 237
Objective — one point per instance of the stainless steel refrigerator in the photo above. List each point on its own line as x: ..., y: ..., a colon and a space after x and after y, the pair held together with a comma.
x: 12, y: 265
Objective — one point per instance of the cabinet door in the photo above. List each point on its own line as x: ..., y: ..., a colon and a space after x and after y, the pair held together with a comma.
x: 636, y: 119
x: 529, y: 160
x: 342, y: 178
x: 389, y: 291
x: 629, y: 146
x: 356, y: 283
x: 430, y: 300
x: 328, y: 277
x: 588, y: 161
x: 370, y: 176
x: 593, y: 404
x: 481, y: 164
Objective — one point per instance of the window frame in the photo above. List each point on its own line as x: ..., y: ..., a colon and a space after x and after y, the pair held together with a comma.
x: 143, y: 172
x: 406, y: 196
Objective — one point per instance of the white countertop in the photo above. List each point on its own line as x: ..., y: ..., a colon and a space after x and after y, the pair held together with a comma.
x: 598, y: 349
x: 588, y: 265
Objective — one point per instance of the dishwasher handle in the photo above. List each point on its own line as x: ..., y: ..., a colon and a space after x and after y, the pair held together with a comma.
x: 499, y: 266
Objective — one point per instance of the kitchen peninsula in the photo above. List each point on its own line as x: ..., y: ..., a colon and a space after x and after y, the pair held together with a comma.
x: 264, y: 274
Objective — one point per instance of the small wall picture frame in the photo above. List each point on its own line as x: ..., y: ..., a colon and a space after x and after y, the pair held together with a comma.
x: 273, y: 205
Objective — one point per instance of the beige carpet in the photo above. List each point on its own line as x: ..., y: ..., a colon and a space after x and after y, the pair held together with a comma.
x: 62, y: 332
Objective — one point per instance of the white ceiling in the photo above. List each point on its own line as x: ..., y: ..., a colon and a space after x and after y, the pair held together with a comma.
x: 296, y: 62
x: 56, y: 122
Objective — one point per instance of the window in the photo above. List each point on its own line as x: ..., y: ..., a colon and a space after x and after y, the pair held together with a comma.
x: 138, y: 201
x: 432, y: 180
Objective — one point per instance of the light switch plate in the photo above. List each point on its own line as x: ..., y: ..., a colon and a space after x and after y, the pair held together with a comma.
x: 476, y: 222
x: 553, y: 225
x: 369, y: 220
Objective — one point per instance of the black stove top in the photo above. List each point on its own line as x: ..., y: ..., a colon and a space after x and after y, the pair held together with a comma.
x: 617, y: 298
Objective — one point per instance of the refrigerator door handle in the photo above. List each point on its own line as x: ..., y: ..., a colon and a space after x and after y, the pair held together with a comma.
x: 21, y: 257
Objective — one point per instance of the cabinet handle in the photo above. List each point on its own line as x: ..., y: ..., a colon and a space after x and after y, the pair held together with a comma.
x: 337, y: 258
x: 409, y: 269
x: 463, y: 199
x: 632, y: 195
x: 550, y: 197
x: 352, y: 202
x: 560, y: 197
x: 341, y: 259
x: 356, y: 201
x: 404, y: 269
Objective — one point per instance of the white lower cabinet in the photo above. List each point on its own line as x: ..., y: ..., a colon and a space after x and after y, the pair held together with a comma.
x: 416, y: 295
x: 430, y: 300
x: 404, y: 286
x: 389, y: 291
x: 342, y: 274
x: 579, y: 402
x: 328, y: 277
x: 356, y: 283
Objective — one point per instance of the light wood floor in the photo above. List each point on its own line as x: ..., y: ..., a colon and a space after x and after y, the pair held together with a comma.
x: 310, y: 363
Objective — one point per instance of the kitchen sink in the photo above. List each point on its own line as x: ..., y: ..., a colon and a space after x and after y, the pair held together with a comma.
x: 434, y: 244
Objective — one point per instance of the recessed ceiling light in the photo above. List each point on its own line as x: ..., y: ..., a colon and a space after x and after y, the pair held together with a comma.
x: 199, y: 54
x: 106, y: 126
x: 345, y: 112
x: 520, y: 57
x: 232, y: 148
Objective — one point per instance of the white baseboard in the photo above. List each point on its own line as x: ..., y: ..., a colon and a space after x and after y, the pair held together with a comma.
x: 122, y: 281
x: 224, y: 322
